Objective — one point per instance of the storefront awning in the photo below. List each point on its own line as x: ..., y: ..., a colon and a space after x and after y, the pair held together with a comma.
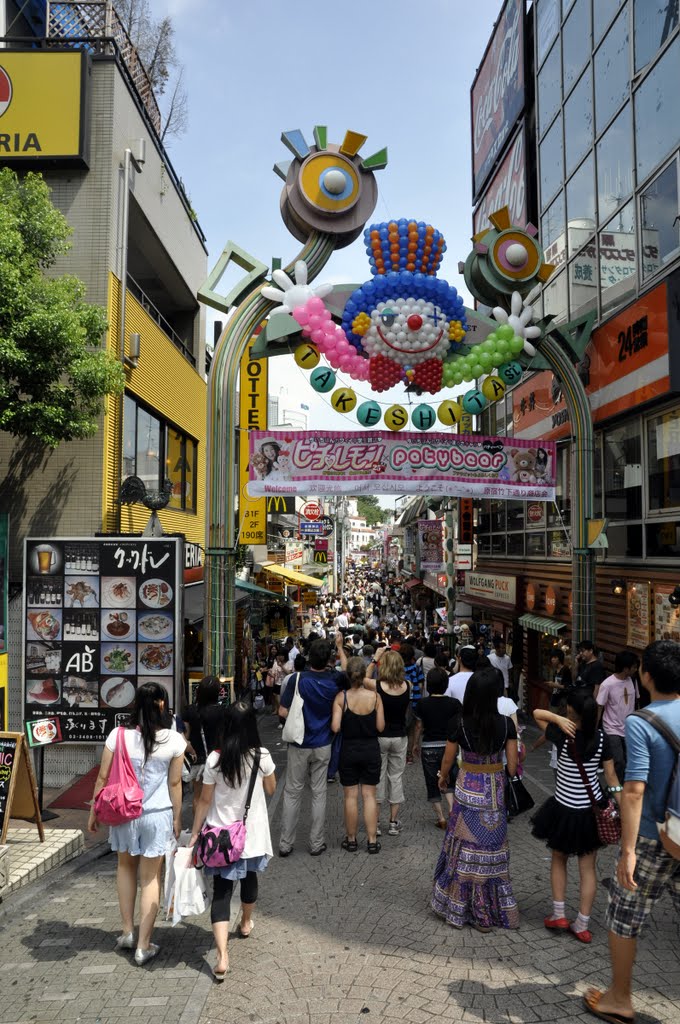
x: 413, y: 583
x: 290, y: 576
x: 253, y: 589
x: 542, y: 625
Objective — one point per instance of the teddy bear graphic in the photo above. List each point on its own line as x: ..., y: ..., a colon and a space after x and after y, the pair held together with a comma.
x: 523, y: 465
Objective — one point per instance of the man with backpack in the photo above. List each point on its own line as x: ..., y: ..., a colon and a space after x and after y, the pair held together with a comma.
x: 647, y: 867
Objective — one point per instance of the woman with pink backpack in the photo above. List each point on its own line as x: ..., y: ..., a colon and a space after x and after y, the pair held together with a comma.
x: 139, y: 793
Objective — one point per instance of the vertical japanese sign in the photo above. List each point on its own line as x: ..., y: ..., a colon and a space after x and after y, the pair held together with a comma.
x: 253, y: 392
x: 4, y: 587
x: 431, y: 544
x: 638, y: 615
x: 101, y: 617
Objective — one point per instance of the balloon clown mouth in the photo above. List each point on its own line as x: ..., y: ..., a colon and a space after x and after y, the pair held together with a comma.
x: 411, y: 351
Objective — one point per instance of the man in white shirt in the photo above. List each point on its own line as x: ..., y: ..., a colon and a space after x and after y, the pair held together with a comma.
x: 500, y: 660
x: 342, y: 621
x: 458, y: 681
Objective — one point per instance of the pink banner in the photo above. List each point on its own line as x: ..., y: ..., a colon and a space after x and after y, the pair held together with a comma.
x: 382, y: 462
x: 431, y: 544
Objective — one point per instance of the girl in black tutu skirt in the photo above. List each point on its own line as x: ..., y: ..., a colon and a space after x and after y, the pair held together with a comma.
x: 566, y: 821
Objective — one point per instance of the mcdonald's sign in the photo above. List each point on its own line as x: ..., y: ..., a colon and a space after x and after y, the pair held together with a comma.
x: 280, y: 503
x: 321, y: 557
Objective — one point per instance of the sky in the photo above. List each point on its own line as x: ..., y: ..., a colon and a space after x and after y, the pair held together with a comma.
x: 398, y: 71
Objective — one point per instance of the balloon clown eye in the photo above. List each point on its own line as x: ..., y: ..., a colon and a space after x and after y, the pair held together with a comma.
x: 388, y: 316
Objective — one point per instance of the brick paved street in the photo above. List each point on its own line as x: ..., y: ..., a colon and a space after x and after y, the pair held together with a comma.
x: 341, y: 938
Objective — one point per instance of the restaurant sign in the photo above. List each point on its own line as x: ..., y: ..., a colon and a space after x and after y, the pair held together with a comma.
x: 101, y: 617
x: 500, y: 589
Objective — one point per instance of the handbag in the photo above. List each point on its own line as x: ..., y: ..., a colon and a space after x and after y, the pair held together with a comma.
x: 294, y: 726
x: 517, y: 797
x: 121, y: 798
x: 216, y: 847
x: 607, y: 817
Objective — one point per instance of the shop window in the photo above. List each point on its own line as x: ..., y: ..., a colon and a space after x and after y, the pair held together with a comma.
x: 516, y: 510
x: 623, y: 472
x: 549, y: 88
x: 154, y: 450
x: 597, y: 473
x: 657, y: 126
x: 662, y: 540
x: 516, y: 544
x: 612, y: 72
x: 616, y: 248
x: 547, y: 25
x: 498, y: 544
x: 536, y: 544
x: 624, y: 541
x: 484, y: 544
x: 663, y: 458
x: 583, y: 280
x: 660, y: 224
x: 498, y: 511
x: 555, y: 297
x: 484, y: 520
x: 558, y: 544
x: 578, y: 122
x: 576, y: 42
x: 552, y: 162
x: 655, y: 22
x: 603, y: 12
x: 615, y: 164
x: 562, y: 484
x: 581, y: 205
x: 553, y: 232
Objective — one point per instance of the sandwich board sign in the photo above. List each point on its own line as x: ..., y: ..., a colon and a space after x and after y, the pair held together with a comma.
x: 18, y: 793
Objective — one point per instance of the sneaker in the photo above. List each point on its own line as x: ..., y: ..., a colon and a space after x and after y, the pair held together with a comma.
x: 126, y: 941
x: 378, y: 830
x: 142, y: 956
x: 394, y: 829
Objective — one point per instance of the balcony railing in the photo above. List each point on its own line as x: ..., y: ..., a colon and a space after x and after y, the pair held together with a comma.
x: 160, y: 321
x: 95, y: 25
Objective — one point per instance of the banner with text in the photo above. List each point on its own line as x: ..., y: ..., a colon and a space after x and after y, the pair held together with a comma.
x: 431, y: 544
x: 349, y: 462
x: 253, y: 392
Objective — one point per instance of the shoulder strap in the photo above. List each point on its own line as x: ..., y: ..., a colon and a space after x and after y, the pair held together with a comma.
x: 251, y: 785
x: 658, y: 723
x: 582, y: 772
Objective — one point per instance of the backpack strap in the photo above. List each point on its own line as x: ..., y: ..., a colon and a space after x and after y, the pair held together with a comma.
x: 661, y: 727
x: 251, y: 786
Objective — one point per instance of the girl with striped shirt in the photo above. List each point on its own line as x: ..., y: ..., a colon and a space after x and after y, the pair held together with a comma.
x: 566, y: 821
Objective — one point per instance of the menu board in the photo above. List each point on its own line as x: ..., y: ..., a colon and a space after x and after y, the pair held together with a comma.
x: 102, y: 616
x: 638, y: 615
x: 8, y: 747
x: 666, y: 616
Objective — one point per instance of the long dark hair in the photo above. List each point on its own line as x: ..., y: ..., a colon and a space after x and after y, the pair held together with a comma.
x: 481, y: 705
x: 583, y: 704
x: 240, y: 737
x: 207, y: 693
x: 148, y: 715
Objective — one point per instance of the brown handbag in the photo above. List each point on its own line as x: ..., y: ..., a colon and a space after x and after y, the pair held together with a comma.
x: 607, y: 817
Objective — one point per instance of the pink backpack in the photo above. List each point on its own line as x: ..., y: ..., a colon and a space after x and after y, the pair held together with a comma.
x: 121, y: 798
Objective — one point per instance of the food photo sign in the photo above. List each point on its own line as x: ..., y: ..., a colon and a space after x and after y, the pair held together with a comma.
x: 101, y: 617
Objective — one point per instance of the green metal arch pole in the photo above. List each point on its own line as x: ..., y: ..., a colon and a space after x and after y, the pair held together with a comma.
x: 221, y: 548
x: 582, y: 486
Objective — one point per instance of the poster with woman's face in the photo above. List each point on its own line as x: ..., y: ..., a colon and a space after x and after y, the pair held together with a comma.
x: 271, y: 459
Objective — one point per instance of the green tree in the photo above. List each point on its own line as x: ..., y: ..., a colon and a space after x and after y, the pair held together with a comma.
x: 369, y: 509
x: 53, y: 371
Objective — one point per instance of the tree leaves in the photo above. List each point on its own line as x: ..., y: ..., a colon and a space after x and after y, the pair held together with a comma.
x: 54, y: 372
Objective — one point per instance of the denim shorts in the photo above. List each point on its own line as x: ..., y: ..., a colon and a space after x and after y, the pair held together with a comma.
x: 147, y: 836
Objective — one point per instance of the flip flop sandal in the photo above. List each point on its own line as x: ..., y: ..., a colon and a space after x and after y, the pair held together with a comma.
x: 351, y: 845
x: 591, y: 1000
x: 373, y: 847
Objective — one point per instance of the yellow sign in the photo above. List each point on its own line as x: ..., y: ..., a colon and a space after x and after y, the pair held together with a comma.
x: 321, y: 557
x: 42, y: 106
x: 253, y: 393
x: 4, y: 692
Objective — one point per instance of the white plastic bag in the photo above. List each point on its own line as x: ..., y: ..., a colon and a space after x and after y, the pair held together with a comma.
x: 294, y: 726
x: 184, y: 884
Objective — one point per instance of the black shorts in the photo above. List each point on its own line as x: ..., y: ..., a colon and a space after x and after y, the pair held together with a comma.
x: 360, y: 763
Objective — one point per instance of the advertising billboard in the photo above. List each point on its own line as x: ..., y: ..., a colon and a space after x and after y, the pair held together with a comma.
x: 508, y: 187
x: 43, y: 109
x: 497, y: 95
x: 101, y: 617
x: 253, y: 390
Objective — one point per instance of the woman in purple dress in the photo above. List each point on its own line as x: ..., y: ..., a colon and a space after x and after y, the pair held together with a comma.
x: 472, y: 878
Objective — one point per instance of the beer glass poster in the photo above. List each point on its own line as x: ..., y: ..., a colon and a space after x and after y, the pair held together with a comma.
x: 101, y: 617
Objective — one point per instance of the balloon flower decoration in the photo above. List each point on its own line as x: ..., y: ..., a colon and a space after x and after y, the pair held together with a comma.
x: 405, y: 326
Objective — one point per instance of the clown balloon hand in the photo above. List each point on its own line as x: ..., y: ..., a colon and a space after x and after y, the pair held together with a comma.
x: 294, y: 294
x: 520, y: 317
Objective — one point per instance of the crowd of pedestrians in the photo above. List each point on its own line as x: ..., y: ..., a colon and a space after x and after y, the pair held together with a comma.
x: 370, y: 692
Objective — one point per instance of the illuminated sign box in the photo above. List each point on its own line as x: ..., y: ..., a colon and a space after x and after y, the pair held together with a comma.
x: 43, y: 107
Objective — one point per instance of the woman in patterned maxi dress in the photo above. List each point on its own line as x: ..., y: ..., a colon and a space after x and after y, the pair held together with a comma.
x: 472, y: 878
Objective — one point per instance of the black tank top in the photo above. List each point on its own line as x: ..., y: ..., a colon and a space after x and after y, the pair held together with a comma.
x: 358, y: 727
x: 395, y: 708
